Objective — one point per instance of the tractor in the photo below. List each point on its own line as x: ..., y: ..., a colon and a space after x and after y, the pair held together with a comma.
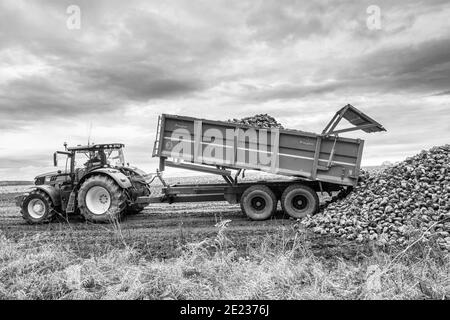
x: 95, y: 183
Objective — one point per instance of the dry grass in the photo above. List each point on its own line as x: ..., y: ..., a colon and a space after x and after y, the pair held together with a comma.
x: 281, y: 267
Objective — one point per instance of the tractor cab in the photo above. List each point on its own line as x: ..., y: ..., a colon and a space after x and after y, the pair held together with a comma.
x: 99, y: 155
x: 83, y: 159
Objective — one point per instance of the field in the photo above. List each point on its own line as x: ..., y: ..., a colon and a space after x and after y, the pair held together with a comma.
x: 158, y: 231
x: 201, y: 251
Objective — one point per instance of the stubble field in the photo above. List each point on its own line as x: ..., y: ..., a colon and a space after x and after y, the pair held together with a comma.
x: 203, y: 251
x: 158, y: 231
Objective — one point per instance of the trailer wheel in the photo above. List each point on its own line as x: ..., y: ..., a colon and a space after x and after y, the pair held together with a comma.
x: 100, y: 199
x: 37, y: 208
x: 298, y: 201
x: 258, y: 202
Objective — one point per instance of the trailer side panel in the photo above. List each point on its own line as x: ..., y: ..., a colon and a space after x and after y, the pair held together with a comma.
x: 286, y: 152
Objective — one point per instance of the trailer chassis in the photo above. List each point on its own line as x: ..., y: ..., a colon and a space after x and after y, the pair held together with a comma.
x: 230, y: 191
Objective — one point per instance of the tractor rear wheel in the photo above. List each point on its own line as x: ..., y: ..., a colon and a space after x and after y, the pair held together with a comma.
x: 37, y: 208
x: 258, y: 202
x: 298, y: 201
x: 100, y: 199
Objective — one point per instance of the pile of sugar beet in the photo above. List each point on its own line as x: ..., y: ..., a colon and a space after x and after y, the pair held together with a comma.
x: 260, y: 121
x: 395, y: 206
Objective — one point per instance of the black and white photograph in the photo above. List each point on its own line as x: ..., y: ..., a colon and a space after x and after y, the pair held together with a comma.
x: 227, y: 155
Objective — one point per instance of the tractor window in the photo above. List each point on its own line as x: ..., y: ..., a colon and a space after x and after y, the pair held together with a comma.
x: 82, y: 158
x: 114, y: 157
x: 63, y: 163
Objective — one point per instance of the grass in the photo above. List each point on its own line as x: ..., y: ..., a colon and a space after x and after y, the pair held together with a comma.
x: 285, y: 266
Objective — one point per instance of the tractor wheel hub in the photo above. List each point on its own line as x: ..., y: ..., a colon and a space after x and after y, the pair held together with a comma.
x: 98, y: 200
x: 36, y: 208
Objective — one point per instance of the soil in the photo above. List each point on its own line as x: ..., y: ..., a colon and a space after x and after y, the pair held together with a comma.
x: 161, y: 229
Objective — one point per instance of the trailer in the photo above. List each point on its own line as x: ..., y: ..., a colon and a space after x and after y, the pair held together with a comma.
x: 310, y: 162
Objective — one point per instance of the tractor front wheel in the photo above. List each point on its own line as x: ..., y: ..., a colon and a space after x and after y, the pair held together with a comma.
x: 37, y: 208
x: 100, y: 199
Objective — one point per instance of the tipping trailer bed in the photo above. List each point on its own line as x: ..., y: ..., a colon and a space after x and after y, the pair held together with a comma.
x: 193, y: 143
x: 320, y: 162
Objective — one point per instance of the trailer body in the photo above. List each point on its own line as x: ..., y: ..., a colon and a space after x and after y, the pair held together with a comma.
x: 312, y: 162
x: 192, y: 143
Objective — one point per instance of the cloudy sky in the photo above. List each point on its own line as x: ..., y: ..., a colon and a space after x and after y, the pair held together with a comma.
x: 296, y: 60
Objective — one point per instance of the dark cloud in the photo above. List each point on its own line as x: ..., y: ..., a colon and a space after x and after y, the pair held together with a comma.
x: 422, y: 68
x: 443, y: 93
x: 139, y: 55
x: 138, y: 82
x: 275, y: 23
x: 288, y: 91
x: 91, y: 91
x: 20, y: 160
x: 419, y: 58
x: 37, y: 98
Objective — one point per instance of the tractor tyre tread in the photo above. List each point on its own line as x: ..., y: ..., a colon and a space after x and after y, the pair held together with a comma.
x: 49, y: 216
x: 118, y: 199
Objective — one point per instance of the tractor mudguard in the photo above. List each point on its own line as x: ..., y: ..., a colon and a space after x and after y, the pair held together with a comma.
x: 136, y: 170
x: 121, y: 179
x: 52, y: 192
